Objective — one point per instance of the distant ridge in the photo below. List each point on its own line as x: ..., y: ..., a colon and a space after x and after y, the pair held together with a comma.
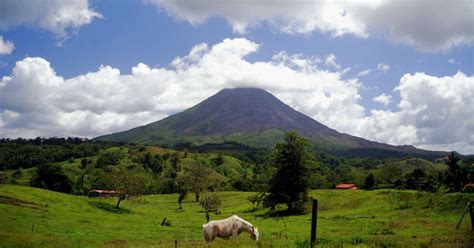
x: 253, y: 117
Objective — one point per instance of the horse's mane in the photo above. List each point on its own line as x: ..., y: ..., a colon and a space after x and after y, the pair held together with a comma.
x: 242, y: 220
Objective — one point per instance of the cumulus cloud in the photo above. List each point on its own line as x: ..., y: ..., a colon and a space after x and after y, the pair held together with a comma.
x: 383, y: 99
x: 6, y: 46
x: 57, y: 16
x: 442, y: 119
x: 34, y: 100
x: 430, y: 25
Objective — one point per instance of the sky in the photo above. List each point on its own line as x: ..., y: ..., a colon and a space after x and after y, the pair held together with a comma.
x: 398, y: 72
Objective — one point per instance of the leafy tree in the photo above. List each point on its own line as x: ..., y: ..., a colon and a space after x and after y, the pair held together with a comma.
x: 154, y: 163
x: 52, y: 177
x: 369, y: 181
x: 198, y: 179
x: 126, y: 184
x: 456, y: 175
x: 389, y: 174
x: 109, y: 157
x: 419, y: 180
x: 218, y: 160
x: 290, y: 184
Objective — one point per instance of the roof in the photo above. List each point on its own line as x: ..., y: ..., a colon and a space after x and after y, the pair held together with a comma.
x: 103, y: 191
x: 346, y: 186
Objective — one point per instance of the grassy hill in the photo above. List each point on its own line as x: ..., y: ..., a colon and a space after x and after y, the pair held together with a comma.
x: 32, y: 217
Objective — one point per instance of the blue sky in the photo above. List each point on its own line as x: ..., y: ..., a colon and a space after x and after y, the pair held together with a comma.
x: 381, y: 56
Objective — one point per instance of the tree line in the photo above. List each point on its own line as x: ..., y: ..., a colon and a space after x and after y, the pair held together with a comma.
x: 282, y: 175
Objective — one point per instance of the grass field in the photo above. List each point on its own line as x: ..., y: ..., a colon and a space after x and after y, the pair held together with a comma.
x: 31, y: 217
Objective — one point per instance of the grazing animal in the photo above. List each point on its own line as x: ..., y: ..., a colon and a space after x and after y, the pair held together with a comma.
x: 230, y: 227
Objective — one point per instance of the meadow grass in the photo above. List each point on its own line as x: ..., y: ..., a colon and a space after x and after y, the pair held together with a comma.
x: 31, y: 217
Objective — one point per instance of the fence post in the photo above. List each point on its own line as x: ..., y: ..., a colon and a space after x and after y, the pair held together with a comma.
x: 314, y: 220
x: 464, y: 213
x: 471, y: 212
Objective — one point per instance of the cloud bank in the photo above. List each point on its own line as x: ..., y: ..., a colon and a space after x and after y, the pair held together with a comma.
x: 35, y: 101
x: 429, y: 25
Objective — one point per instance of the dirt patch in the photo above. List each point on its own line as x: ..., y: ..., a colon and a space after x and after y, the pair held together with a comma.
x: 20, y: 203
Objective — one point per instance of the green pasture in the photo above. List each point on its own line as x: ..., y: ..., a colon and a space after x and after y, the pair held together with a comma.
x: 31, y: 217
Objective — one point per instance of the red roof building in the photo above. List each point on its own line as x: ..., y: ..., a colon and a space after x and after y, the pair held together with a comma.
x: 346, y: 186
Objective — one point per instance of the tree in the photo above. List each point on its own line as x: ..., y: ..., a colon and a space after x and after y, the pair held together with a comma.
x: 182, y: 195
x: 86, y: 165
x: 456, y: 176
x: 111, y: 156
x: 210, y: 202
x: 154, y: 163
x: 290, y: 184
x: 369, y: 181
x: 198, y: 179
x: 52, y: 177
x: 126, y: 184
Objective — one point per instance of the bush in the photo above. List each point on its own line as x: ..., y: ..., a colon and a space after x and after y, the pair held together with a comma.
x: 52, y: 177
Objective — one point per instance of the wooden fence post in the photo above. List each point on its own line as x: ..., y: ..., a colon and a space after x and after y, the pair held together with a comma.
x: 464, y: 213
x: 471, y: 212
x: 314, y: 221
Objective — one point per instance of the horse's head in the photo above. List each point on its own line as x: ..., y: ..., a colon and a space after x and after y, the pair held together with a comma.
x: 254, y: 233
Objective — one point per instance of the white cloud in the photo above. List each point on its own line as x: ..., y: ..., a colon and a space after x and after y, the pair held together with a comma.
x: 443, y: 118
x: 430, y: 25
x: 34, y: 100
x: 364, y: 73
x: 383, y: 99
x: 383, y: 67
x: 6, y: 46
x: 57, y: 16
x: 331, y: 61
x: 290, y: 17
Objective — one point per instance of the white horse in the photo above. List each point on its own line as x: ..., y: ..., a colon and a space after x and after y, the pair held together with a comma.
x: 230, y: 227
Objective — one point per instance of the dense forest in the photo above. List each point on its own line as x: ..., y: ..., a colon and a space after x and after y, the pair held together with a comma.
x: 76, y: 166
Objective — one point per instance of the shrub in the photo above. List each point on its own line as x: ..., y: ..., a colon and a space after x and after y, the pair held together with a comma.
x: 52, y: 177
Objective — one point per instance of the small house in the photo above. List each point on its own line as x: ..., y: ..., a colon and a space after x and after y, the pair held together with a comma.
x: 347, y: 186
x: 102, y: 193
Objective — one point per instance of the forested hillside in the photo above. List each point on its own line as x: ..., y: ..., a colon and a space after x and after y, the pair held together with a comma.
x: 77, y: 166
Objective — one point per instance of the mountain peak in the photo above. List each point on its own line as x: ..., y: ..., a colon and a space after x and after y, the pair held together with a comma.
x: 242, y: 90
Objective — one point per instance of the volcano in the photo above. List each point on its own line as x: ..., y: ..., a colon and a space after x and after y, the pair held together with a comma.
x: 255, y: 118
